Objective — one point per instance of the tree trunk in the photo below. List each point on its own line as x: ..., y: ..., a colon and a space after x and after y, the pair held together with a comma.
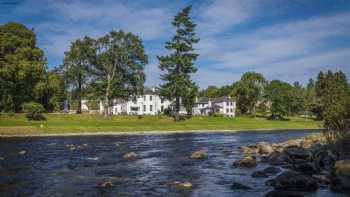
x: 106, y: 112
x: 177, y: 109
x: 79, y: 94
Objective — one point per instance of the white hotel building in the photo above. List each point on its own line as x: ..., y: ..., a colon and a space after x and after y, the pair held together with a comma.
x: 151, y: 103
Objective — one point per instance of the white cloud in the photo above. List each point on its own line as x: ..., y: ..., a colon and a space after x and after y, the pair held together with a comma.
x: 274, y: 48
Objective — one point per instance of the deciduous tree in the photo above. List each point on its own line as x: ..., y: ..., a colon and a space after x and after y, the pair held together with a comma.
x: 117, y: 69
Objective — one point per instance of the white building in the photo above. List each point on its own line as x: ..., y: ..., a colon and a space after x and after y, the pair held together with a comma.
x: 151, y: 103
x: 222, y: 105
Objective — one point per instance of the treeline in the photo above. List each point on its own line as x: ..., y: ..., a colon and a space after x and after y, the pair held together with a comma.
x: 329, y: 92
x: 112, y: 66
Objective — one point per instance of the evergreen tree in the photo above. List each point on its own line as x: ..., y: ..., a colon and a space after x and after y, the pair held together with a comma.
x: 178, y: 66
x: 333, y: 90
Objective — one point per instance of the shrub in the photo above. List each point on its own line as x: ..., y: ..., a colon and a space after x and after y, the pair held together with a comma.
x: 34, y: 111
x: 218, y: 115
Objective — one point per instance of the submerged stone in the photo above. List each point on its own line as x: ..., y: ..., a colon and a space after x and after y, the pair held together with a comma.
x: 239, y: 186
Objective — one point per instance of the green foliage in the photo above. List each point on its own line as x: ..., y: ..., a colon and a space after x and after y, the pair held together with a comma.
x: 93, y: 104
x: 178, y: 66
x: 22, y: 66
x: 248, y: 91
x: 117, y: 69
x: 51, y: 91
x: 75, y: 66
x: 334, y: 92
x: 34, y: 111
x: 279, y: 93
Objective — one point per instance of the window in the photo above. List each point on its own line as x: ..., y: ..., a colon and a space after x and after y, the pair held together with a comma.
x: 144, y: 98
x: 227, y: 111
x: 231, y: 110
x: 162, y: 108
x: 150, y: 98
x: 227, y: 103
x: 134, y: 109
x: 162, y: 101
x: 150, y: 108
x: 144, y: 107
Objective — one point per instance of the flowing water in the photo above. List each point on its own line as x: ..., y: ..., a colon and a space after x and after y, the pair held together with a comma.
x: 76, y: 165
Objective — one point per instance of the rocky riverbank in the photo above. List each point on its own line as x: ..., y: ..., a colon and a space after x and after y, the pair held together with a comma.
x: 298, y: 166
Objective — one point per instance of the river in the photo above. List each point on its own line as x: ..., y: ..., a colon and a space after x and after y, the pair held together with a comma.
x: 51, y: 167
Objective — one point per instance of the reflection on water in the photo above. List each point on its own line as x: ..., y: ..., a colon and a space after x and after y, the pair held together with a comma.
x: 74, y: 166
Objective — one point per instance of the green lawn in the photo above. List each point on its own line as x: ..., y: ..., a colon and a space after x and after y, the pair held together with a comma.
x: 64, y: 123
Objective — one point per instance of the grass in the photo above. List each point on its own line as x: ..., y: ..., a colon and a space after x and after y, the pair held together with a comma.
x: 69, y: 123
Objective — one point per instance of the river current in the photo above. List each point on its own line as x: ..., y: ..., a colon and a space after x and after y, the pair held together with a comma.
x: 76, y: 165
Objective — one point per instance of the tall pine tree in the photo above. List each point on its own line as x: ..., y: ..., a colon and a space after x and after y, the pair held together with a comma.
x: 178, y: 66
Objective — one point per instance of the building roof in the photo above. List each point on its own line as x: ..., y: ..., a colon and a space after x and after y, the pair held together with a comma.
x: 152, y: 91
x: 222, y: 99
x: 203, y: 100
x: 214, y: 100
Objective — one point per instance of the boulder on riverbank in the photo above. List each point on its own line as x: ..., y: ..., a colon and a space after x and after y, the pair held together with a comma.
x: 247, y: 162
x: 340, y: 180
x: 294, y: 181
x: 201, y: 154
x: 267, y: 172
x: 264, y: 148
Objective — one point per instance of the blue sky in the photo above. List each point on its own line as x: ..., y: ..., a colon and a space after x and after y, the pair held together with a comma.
x: 291, y: 40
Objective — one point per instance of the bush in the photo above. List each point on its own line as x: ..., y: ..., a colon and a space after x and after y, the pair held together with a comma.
x: 34, y: 111
x: 218, y: 115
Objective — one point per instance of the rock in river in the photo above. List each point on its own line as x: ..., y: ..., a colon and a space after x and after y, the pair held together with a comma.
x: 294, y: 181
x: 130, y: 156
x: 247, y: 162
x: 259, y: 174
x: 183, y: 185
x: 278, y: 193
x: 239, y: 186
x: 201, y: 154
x: 105, y: 184
x: 297, y: 153
x: 264, y: 148
x: 266, y: 172
x: 272, y: 170
x: 340, y: 180
x: 22, y: 152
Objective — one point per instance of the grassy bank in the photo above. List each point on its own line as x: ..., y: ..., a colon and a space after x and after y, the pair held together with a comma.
x: 70, y: 123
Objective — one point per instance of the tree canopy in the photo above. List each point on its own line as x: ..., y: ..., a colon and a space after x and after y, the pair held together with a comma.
x: 22, y: 66
x: 117, y: 68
